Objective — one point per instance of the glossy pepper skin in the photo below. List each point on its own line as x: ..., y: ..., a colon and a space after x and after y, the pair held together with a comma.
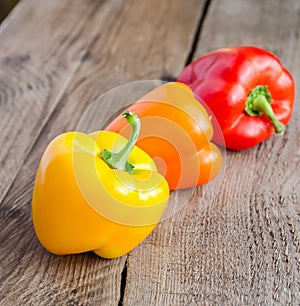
x: 247, y: 91
x: 176, y: 132
x: 80, y: 203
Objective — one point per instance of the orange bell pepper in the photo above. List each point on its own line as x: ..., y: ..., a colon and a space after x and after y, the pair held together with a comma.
x: 176, y: 132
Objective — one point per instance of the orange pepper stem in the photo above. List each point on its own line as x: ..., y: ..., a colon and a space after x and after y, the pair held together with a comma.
x: 120, y: 160
x: 259, y: 102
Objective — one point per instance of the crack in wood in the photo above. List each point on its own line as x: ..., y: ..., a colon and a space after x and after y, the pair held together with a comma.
x: 123, y: 283
x: 198, y: 33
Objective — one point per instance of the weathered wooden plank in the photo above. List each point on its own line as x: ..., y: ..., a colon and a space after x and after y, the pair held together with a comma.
x: 5, y: 7
x: 41, y: 50
x: 237, y: 242
x: 130, y: 40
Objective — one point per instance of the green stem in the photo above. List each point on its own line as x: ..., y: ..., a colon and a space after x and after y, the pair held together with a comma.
x: 259, y: 102
x: 120, y: 160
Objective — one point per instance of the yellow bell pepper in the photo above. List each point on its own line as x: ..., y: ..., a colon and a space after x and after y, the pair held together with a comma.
x: 87, y: 197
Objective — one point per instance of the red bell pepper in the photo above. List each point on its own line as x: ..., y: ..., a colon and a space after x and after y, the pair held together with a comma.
x: 248, y: 92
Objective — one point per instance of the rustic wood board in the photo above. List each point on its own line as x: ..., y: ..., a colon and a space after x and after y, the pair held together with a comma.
x: 35, y: 69
x: 237, y: 242
x: 49, y: 77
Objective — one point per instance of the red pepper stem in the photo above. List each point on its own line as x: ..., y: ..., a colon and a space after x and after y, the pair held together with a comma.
x: 259, y: 102
x: 120, y: 160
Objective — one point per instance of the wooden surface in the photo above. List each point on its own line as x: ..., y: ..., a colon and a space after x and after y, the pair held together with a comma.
x: 235, y: 242
x: 5, y: 7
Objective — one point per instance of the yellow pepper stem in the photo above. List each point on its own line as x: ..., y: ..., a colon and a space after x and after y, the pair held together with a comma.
x: 120, y: 160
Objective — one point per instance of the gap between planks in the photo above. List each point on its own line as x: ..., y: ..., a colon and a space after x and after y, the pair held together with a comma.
x: 197, y: 35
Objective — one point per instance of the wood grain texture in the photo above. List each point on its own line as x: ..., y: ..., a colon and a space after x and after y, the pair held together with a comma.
x: 36, y: 66
x: 87, y: 47
x: 237, y: 241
